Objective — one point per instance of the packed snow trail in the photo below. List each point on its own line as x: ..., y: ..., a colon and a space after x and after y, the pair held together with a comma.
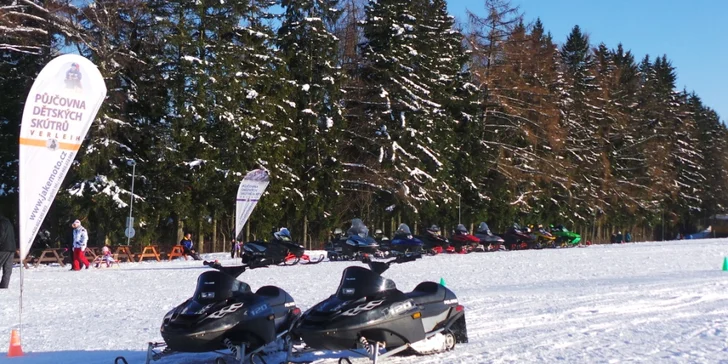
x: 649, y: 302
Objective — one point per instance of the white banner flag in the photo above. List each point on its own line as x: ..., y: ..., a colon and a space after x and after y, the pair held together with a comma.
x: 249, y: 192
x: 58, y: 113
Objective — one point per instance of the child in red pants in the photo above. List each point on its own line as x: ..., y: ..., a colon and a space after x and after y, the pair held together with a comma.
x: 80, y: 240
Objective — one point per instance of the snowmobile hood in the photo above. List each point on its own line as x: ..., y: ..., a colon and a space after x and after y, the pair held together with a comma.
x: 489, y: 238
x: 357, y: 282
x: 357, y: 240
x: 406, y: 240
x: 465, y: 238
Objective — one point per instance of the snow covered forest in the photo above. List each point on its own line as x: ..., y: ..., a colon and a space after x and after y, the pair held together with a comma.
x: 388, y: 110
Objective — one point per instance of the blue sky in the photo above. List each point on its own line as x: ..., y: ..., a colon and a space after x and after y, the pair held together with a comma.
x: 693, y: 34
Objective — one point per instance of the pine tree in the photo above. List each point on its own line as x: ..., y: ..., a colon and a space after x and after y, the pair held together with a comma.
x: 627, y: 160
x: 399, y: 103
x: 99, y: 186
x: 499, y: 139
x: 31, y: 36
x: 309, y: 51
x: 578, y: 109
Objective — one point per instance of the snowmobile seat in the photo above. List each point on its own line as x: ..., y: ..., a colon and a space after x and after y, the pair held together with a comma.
x: 257, y: 246
x: 427, y: 292
x: 274, y: 295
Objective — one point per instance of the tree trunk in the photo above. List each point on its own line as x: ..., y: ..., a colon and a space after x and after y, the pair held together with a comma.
x: 247, y: 230
x: 214, y: 233
x: 200, y: 237
x: 305, y: 231
x: 180, y: 231
x: 234, y: 235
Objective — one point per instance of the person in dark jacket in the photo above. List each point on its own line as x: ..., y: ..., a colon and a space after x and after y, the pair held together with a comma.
x: 188, y: 247
x: 236, y: 251
x: 7, y: 250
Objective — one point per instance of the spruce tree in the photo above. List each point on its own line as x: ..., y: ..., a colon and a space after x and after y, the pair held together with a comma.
x: 399, y: 103
x: 309, y: 51
x: 31, y: 36
x: 578, y: 109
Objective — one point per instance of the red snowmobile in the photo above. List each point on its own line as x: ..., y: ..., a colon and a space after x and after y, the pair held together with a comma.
x: 463, y: 241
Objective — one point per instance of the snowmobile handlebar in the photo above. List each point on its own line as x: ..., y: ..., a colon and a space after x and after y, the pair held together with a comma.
x: 381, y: 267
x: 235, y: 270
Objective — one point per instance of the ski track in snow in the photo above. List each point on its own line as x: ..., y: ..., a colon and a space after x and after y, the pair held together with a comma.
x: 661, y: 302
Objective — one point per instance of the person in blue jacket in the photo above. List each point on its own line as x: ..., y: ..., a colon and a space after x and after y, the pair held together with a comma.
x: 188, y: 247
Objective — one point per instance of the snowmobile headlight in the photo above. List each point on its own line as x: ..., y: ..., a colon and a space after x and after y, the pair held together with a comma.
x: 207, y: 295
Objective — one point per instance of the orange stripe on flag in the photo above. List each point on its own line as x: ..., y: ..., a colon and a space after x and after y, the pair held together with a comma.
x: 42, y: 143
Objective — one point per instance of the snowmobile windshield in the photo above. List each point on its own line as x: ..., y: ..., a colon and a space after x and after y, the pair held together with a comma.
x: 483, y: 228
x: 358, y: 282
x: 357, y: 222
x: 283, y: 235
x: 403, y: 229
x: 216, y: 286
x: 434, y: 230
x: 359, y: 230
x: 461, y: 229
x: 193, y: 308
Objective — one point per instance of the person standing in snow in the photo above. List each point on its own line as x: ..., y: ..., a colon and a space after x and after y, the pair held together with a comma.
x: 236, y: 250
x: 7, y: 250
x: 80, y: 240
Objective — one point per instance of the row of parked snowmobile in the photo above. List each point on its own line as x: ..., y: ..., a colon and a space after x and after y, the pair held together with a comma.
x: 366, y: 316
x: 357, y: 244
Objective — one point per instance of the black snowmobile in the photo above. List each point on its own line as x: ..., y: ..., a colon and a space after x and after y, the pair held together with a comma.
x: 355, y: 245
x: 433, y: 242
x: 280, y: 250
x: 488, y: 240
x: 385, y: 245
x: 224, y: 313
x: 369, y: 312
x: 336, y: 236
x: 518, y: 238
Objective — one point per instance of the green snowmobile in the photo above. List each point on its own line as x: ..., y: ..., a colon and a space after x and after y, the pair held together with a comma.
x: 564, y: 237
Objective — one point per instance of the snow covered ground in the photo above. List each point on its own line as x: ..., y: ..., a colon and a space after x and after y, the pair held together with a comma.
x: 652, y: 302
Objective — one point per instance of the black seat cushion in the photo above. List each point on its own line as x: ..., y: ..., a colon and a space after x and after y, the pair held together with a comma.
x: 274, y: 295
x: 427, y: 292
